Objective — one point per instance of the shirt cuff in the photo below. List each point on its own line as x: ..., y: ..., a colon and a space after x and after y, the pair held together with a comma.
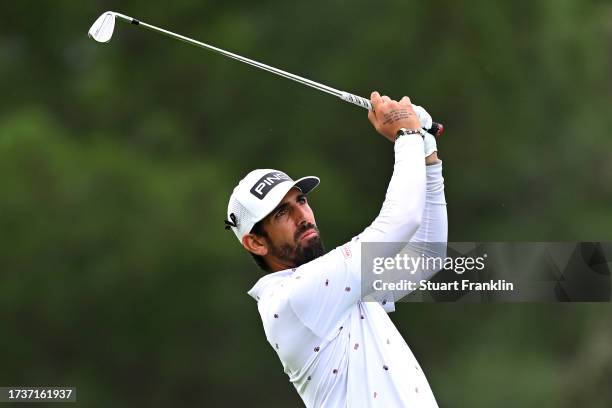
x: 408, y: 142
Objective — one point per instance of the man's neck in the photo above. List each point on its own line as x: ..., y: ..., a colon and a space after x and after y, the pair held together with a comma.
x: 278, y: 265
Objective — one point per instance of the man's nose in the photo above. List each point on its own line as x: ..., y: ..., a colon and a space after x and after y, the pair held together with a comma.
x: 300, y: 216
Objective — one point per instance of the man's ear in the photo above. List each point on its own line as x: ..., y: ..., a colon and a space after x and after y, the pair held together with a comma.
x: 255, y: 244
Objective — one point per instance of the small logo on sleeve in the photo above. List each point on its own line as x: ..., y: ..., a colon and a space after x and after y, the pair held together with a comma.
x: 267, y: 183
x: 346, y: 251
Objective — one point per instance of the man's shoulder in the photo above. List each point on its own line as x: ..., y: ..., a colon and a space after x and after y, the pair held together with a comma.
x: 346, y: 252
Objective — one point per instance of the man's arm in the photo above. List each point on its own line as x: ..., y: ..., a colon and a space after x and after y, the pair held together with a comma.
x: 402, y: 210
x: 324, y: 289
x: 430, y: 240
x: 434, y: 223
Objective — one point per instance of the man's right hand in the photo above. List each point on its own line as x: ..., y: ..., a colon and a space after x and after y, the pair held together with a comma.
x: 389, y: 116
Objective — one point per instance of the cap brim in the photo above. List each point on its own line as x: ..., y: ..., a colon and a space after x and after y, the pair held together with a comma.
x: 307, y: 184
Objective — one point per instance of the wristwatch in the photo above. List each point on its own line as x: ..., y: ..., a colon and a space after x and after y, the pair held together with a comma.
x: 404, y: 131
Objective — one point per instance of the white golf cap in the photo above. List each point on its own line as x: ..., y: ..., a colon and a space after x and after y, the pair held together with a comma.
x: 256, y: 195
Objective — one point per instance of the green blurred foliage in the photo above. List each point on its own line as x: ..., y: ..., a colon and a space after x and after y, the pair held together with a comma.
x: 117, y: 161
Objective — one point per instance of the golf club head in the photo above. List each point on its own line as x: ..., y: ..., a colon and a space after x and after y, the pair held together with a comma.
x: 102, y: 29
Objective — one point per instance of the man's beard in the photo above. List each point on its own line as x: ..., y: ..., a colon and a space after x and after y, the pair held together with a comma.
x: 301, y: 252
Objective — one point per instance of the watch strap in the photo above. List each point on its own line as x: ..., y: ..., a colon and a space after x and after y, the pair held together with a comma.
x: 404, y: 131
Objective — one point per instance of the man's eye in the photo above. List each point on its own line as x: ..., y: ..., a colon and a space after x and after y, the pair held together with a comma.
x: 280, y: 213
x: 302, y: 200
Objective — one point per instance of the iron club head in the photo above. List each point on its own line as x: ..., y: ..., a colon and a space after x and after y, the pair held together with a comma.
x: 102, y: 29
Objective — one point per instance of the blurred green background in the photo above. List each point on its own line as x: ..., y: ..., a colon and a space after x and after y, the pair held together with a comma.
x: 117, y: 160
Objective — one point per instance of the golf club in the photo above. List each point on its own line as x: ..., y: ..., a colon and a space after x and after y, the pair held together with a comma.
x: 102, y: 31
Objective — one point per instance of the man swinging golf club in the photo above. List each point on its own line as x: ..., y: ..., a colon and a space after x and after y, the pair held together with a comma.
x: 337, y: 349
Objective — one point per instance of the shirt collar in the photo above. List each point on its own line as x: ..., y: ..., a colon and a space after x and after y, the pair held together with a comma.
x: 266, y: 281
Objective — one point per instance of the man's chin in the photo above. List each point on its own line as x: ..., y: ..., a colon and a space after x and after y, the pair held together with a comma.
x: 311, y: 248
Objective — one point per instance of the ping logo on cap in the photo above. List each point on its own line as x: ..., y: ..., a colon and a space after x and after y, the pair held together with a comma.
x: 267, y: 182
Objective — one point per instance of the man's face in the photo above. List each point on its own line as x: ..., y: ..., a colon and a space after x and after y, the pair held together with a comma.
x: 292, y: 236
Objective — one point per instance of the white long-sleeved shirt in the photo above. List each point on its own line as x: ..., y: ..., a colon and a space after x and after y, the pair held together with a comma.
x: 338, y: 350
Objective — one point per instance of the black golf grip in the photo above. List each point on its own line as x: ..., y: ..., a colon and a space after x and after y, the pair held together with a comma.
x: 437, y: 129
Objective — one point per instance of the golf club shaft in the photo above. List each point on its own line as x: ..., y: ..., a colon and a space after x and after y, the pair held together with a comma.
x: 345, y: 96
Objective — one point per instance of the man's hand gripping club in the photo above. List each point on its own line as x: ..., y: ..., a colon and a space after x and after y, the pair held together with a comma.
x: 389, y: 116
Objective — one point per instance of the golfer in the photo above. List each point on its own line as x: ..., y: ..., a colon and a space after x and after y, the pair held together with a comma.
x: 338, y: 349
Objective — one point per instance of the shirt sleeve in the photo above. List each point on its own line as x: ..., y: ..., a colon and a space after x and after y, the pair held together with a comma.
x: 324, y: 289
x: 401, y: 212
x: 431, y: 238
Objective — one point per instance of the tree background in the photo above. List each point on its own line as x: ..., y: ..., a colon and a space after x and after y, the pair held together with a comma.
x: 117, y: 161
